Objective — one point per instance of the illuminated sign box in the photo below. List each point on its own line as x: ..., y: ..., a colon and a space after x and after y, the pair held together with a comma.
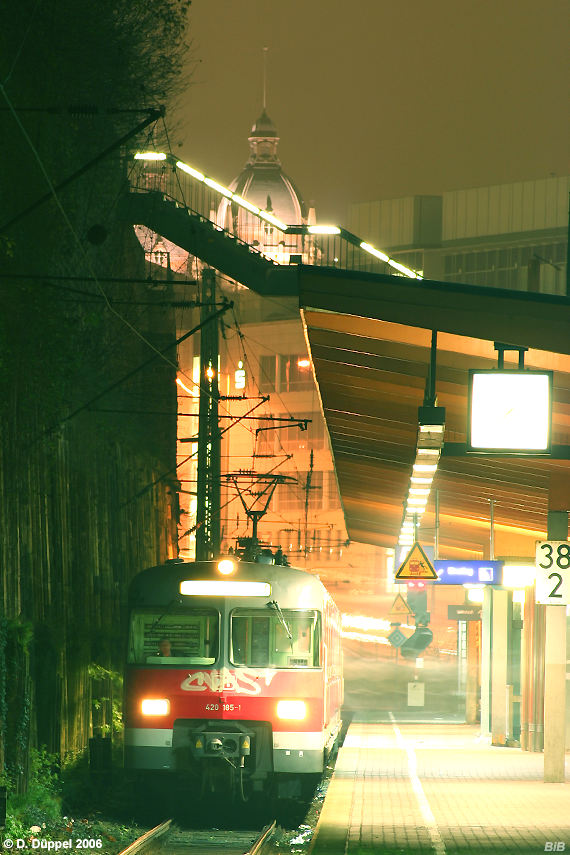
x: 509, y: 411
x: 470, y: 572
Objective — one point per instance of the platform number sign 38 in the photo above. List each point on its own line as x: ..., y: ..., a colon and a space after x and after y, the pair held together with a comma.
x: 553, y: 572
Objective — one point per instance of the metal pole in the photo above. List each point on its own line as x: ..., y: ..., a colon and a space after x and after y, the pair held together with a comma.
x: 568, y: 255
x: 430, y: 396
x: 209, y: 453
x: 492, y: 532
x: 307, y: 491
x: 555, y: 655
x: 436, y: 541
x: 486, y: 694
x: 537, y: 734
x: 526, y: 669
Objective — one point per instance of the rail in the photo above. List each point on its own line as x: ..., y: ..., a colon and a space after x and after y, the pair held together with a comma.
x: 147, y: 839
x: 145, y: 843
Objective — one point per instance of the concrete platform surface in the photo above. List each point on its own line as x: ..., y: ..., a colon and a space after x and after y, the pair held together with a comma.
x: 441, y: 789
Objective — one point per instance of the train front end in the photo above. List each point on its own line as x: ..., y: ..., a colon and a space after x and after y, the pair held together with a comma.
x: 233, y: 676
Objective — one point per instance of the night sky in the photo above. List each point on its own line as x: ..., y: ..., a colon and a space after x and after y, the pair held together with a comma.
x: 379, y: 100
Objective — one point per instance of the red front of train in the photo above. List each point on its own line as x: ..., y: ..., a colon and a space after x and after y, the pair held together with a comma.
x: 233, y: 674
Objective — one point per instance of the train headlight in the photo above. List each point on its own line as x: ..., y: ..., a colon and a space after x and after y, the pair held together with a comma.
x: 226, y: 567
x: 155, y: 706
x: 292, y: 710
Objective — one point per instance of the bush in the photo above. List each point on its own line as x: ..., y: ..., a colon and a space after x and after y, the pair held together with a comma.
x: 41, y: 805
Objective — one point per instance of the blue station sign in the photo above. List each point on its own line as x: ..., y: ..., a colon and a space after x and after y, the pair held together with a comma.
x: 459, y: 572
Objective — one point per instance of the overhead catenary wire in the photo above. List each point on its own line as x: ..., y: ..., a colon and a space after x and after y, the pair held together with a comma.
x: 298, y: 487
x: 180, y: 463
x: 31, y: 17
x: 129, y: 374
x: 246, y: 361
x: 51, y: 278
x: 53, y: 193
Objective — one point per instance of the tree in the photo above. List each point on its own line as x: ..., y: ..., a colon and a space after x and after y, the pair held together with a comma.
x: 74, y: 77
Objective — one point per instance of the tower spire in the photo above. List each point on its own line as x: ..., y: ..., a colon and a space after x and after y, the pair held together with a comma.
x: 265, y: 49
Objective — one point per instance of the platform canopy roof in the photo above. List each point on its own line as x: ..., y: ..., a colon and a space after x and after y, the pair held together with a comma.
x: 370, y: 347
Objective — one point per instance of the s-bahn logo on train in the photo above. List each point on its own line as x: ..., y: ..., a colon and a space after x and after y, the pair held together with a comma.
x: 240, y: 682
x: 233, y: 675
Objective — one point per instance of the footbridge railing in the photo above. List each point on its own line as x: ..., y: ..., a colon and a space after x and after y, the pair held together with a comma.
x: 209, y: 220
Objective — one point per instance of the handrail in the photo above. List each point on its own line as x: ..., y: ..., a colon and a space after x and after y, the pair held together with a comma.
x: 321, y: 245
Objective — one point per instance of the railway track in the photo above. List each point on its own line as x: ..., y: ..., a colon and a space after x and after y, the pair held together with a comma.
x: 167, y: 839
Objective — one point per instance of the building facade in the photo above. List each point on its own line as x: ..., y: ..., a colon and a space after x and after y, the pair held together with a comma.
x: 512, y: 236
x: 263, y: 354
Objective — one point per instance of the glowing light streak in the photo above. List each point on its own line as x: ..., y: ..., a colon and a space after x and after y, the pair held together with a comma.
x: 360, y: 636
x: 364, y: 622
x: 402, y: 268
x: 245, y: 204
x: 323, y: 230
x: 150, y: 155
x: 367, y: 247
x: 219, y: 188
x: 189, y: 170
x: 265, y: 215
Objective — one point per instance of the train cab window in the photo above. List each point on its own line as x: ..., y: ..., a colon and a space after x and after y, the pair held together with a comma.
x: 176, y: 638
x: 265, y: 639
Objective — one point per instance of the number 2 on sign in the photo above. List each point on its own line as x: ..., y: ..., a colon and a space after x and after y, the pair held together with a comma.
x: 559, y: 582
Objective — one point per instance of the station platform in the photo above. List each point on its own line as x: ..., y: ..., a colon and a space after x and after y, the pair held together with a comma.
x: 439, y: 788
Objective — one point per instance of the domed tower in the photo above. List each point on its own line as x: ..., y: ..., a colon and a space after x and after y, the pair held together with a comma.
x: 263, y: 183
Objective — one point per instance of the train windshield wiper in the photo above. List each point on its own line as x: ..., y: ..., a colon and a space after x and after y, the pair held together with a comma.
x: 170, y: 606
x: 275, y: 605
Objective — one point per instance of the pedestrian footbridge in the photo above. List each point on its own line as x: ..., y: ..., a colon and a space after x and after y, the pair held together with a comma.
x: 181, y: 203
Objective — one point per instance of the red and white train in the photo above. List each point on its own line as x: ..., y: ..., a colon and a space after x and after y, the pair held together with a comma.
x: 233, y: 675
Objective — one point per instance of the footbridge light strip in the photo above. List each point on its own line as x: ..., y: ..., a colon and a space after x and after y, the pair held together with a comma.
x: 267, y: 216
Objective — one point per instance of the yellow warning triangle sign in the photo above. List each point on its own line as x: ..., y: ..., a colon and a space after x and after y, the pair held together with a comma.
x: 400, y: 607
x: 416, y: 565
